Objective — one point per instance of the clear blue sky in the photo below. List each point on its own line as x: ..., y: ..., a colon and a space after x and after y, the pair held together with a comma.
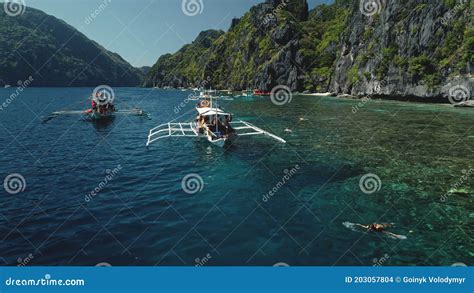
x: 143, y: 30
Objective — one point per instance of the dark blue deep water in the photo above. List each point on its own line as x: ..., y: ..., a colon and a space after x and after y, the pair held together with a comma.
x: 142, y: 216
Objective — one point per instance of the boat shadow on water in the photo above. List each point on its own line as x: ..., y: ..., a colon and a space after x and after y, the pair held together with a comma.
x: 103, y: 123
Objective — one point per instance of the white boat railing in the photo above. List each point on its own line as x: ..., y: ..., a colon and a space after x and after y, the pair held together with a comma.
x: 171, y: 130
x: 242, y: 128
x: 189, y: 129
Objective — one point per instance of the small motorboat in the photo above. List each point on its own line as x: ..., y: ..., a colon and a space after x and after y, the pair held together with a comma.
x: 260, y: 93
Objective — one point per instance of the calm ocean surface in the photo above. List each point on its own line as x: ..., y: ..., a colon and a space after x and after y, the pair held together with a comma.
x: 142, y: 216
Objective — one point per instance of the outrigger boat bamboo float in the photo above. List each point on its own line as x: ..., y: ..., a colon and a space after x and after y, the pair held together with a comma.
x: 212, y: 123
x: 95, y: 116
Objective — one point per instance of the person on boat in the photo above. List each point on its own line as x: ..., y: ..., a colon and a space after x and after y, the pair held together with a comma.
x: 94, y: 104
x: 212, y: 125
x: 110, y: 107
x: 217, y: 123
x: 201, y: 122
x: 228, y: 128
x: 203, y: 104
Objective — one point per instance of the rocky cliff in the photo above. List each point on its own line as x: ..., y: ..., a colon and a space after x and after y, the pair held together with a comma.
x: 404, y: 48
x: 257, y: 51
x: 185, y: 68
x: 261, y: 49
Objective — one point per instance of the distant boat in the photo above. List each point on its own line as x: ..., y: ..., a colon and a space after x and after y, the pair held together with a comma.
x: 206, y: 94
x: 261, y: 93
x: 319, y: 94
x: 102, y: 109
x: 225, y: 93
x: 247, y: 93
x: 467, y: 104
x: 255, y: 93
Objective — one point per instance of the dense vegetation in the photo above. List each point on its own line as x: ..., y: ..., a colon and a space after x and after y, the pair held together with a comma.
x: 421, y: 43
x: 415, y: 46
x: 185, y: 66
x: 55, y: 54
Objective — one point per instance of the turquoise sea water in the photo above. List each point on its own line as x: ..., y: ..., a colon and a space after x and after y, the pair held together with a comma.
x: 142, y: 216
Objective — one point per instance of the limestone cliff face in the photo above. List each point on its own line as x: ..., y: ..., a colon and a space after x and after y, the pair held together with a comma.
x: 261, y: 49
x: 185, y: 67
x: 405, y: 48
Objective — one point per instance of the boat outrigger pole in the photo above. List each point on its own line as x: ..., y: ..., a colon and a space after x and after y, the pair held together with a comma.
x: 212, y: 123
x: 258, y: 131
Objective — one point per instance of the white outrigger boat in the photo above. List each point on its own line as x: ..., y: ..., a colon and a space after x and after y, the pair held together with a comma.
x: 96, y: 116
x: 213, y: 123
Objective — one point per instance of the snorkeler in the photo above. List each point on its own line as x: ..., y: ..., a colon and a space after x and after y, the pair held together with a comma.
x: 379, y: 228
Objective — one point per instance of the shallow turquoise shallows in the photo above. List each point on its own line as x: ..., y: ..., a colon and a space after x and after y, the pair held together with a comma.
x: 95, y: 194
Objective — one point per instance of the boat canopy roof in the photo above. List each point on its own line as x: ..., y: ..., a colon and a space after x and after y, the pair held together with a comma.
x: 212, y: 112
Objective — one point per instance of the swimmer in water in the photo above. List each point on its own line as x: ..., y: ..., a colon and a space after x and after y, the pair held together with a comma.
x: 381, y: 228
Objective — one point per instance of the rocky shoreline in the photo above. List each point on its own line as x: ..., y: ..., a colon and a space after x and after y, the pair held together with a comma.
x: 408, y: 99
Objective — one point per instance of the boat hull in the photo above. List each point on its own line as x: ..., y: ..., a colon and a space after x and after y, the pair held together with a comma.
x: 221, y: 142
x: 218, y: 142
x: 98, y: 116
